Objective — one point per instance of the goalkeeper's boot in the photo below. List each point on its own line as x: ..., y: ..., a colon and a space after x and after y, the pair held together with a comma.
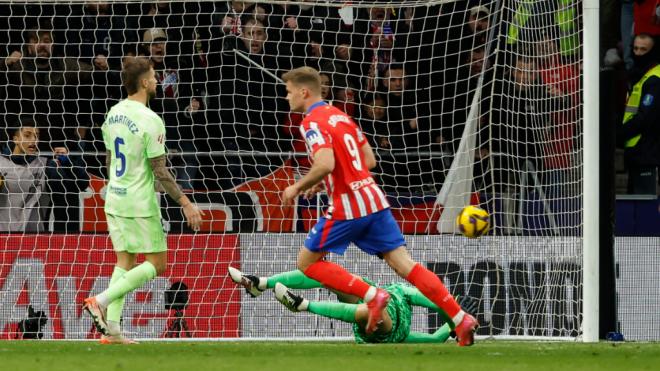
x: 465, y: 330
x: 376, y: 306
x: 91, y: 306
x: 293, y: 302
x: 249, y: 282
x: 116, y: 339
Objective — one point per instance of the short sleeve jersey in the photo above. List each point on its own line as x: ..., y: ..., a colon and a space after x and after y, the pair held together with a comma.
x: 351, y: 188
x: 133, y: 133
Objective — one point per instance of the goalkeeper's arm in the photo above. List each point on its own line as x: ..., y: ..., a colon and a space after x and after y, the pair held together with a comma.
x: 418, y: 299
x: 164, y: 176
x: 467, y: 303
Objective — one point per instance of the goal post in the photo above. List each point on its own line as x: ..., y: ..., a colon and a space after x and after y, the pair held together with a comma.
x: 491, y: 103
x: 591, y: 244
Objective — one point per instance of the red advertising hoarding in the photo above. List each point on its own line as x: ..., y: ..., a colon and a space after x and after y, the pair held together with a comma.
x: 54, y: 273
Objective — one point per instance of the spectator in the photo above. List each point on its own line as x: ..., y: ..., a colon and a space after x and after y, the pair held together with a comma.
x: 520, y: 123
x: 458, y: 99
x: 249, y: 105
x: 402, y: 110
x: 344, y: 94
x: 47, y: 85
x: 646, y: 16
x: 478, y: 24
x: 160, y: 14
x: 226, y: 27
x: 409, y: 129
x: 375, y: 29
x: 231, y: 20
x: 639, y: 131
x: 101, y: 36
x: 176, y: 103
x: 29, y: 182
x: 462, y: 40
x: 307, y: 35
x: 373, y: 121
x: 627, y: 22
x: 561, y: 81
x: 344, y: 61
x: 97, y: 37
x: 529, y: 17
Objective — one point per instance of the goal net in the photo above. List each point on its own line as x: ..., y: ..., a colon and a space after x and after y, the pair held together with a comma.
x: 464, y: 103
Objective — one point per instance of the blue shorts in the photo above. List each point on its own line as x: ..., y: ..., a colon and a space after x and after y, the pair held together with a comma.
x: 374, y: 234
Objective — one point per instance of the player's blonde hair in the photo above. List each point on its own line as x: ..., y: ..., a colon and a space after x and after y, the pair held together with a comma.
x: 304, y: 76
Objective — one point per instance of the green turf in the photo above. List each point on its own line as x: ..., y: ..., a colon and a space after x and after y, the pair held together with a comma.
x: 196, y: 356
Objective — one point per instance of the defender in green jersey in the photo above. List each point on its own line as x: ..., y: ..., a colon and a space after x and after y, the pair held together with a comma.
x: 134, y: 137
x: 397, y: 318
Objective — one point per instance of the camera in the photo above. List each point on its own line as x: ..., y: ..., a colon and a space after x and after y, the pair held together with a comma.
x: 32, y: 327
x: 176, y: 299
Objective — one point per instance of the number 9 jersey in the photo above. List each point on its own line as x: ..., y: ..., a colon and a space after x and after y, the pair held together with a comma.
x: 351, y: 188
x: 133, y: 134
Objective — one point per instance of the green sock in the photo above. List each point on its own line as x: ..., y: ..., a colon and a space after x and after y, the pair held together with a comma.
x: 341, y: 311
x: 130, y: 281
x: 439, y: 336
x: 116, y: 307
x: 293, y: 280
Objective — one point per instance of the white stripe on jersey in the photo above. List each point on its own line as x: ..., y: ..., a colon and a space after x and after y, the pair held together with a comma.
x: 370, y: 196
x: 346, y: 203
x: 381, y: 196
x: 360, y: 202
x: 331, y: 209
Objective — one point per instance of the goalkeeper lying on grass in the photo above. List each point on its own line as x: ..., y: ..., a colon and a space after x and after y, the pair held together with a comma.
x: 395, y: 327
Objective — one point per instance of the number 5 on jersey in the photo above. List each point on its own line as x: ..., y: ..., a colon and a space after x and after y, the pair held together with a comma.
x: 120, y: 168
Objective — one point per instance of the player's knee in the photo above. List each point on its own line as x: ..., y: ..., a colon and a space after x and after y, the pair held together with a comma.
x: 397, y: 270
x: 302, y: 264
x: 160, y: 268
x: 160, y: 265
x: 305, y: 259
x: 400, y: 261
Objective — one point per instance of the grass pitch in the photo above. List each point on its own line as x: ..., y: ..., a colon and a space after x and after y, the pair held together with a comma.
x: 298, y: 356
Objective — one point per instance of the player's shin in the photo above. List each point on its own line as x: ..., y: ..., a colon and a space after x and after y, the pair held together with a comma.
x: 130, y: 281
x: 336, y: 277
x: 116, y: 307
x: 431, y: 286
x: 417, y: 298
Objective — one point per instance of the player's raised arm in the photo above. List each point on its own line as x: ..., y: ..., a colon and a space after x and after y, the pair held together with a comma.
x: 164, y: 176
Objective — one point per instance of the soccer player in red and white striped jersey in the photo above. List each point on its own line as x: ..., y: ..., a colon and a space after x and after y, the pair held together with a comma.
x: 359, y: 211
x: 352, y: 190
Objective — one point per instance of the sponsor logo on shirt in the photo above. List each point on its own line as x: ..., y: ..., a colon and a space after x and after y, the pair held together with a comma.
x: 313, y: 136
x: 121, y: 191
x: 361, y: 183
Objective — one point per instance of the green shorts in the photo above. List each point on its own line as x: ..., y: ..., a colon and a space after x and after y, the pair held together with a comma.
x: 400, y: 310
x: 137, y: 235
